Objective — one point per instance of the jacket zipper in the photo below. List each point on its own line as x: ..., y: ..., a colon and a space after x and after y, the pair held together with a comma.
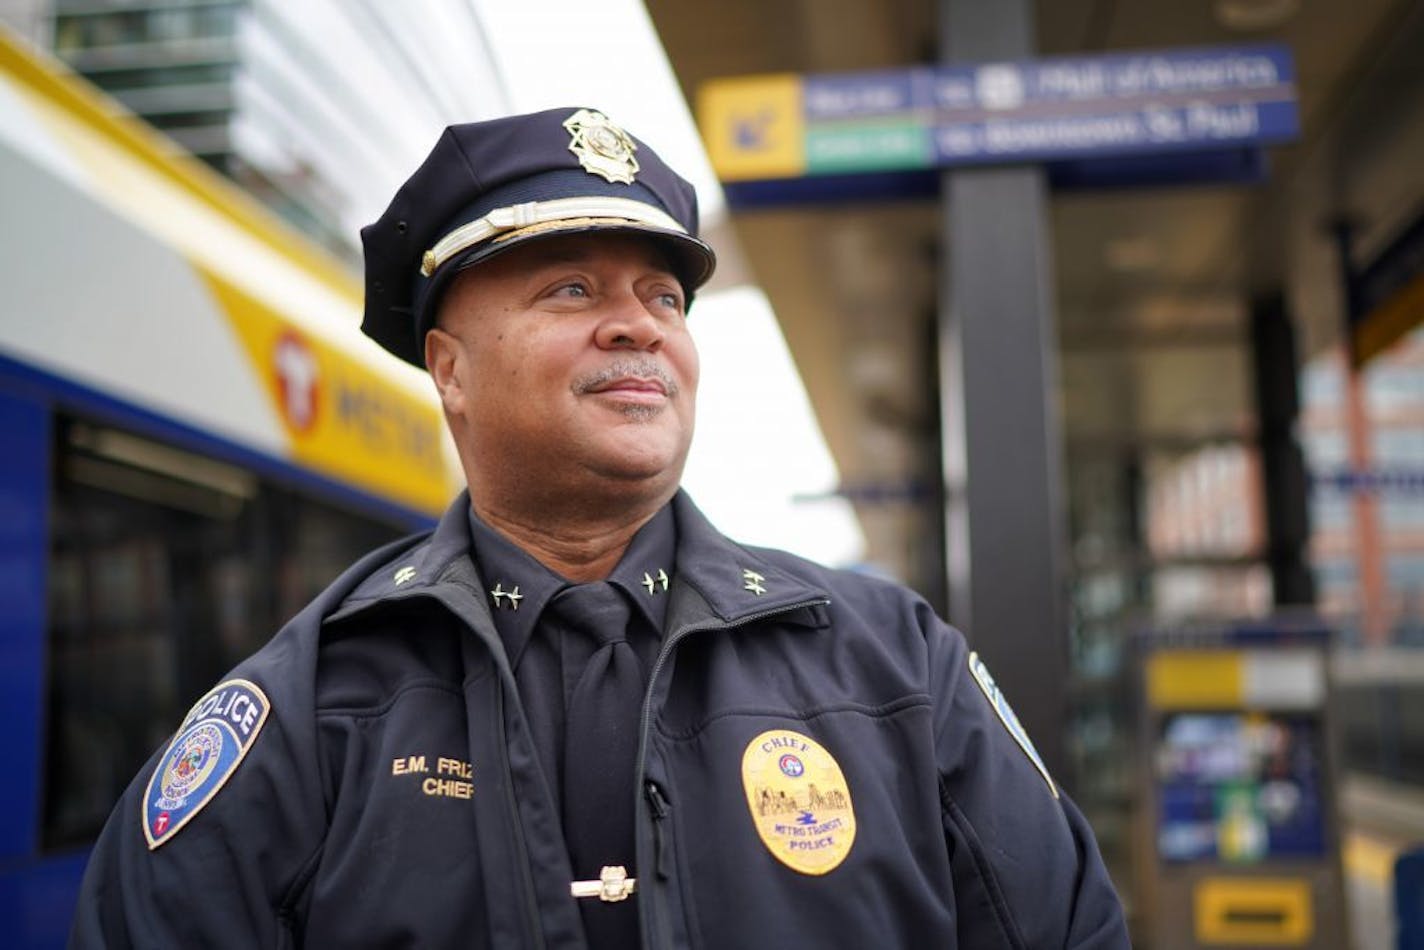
x: 658, y: 805
x: 532, y: 926
x: 659, y: 808
x: 531, y: 908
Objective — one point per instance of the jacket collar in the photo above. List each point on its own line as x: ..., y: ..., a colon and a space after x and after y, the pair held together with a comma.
x: 733, y: 582
x: 442, y: 558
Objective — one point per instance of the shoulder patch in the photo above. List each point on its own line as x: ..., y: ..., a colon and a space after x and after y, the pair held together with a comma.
x: 215, y: 736
x: 1006, y: 715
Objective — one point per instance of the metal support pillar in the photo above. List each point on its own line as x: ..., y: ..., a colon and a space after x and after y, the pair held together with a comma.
x: 998, y: 389
x: 1284, y: 485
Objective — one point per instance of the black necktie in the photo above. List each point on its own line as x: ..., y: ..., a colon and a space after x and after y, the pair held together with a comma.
x: 604, y: 699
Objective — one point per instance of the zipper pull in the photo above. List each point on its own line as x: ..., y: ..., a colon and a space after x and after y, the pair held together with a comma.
x: 657, y: 801
x: 660, y: 809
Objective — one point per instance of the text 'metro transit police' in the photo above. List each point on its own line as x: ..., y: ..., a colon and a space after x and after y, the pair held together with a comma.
x: 574, y: 714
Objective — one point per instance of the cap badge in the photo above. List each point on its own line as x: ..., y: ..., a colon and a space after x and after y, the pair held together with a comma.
x: 602, y: 147
x: 799, y: 801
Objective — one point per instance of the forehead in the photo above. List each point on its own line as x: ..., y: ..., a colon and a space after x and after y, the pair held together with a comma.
x: 592, y: 248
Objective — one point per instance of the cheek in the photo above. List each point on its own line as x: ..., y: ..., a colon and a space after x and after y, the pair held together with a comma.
x: 689, y: 367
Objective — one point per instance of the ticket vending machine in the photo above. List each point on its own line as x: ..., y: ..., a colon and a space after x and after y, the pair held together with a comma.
x: 1238, y: 833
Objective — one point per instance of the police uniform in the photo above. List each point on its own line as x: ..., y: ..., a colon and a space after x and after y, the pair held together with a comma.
x: 820, y: 761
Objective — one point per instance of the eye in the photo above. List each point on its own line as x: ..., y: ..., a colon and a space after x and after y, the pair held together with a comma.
x: 670, y: 299
x: 574, y: 288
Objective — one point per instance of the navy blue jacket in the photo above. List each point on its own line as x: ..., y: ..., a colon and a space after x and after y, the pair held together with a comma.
x: 393, y: 795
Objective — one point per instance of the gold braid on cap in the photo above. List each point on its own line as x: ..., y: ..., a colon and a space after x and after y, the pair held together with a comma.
x: 545, y: 215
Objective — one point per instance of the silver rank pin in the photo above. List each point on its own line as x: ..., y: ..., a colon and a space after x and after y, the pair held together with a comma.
x: 406, y: 573
x: 602, y: 147
x: 500, y: 595
x: 753, y: 582
x: 652, y: 584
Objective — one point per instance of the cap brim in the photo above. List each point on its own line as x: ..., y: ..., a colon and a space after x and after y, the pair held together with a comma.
x: 693, y: 260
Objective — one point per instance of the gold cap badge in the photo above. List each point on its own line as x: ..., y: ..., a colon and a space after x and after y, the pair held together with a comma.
x: 602, y: 147
x: 799, y: 801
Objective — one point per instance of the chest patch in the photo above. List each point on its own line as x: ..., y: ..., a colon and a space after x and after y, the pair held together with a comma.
x: 214, y: 738
x: 1007, y: 717
x: 799, y: 801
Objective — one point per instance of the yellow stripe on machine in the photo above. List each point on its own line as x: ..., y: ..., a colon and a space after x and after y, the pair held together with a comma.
x: 1196, y: 679
x: 1259, y: 912
x: 1277, y: 678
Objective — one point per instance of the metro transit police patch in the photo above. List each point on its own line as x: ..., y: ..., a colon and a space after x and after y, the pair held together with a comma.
x: 1007, y: 717
x: 799, y: 801
x: 215, y: 736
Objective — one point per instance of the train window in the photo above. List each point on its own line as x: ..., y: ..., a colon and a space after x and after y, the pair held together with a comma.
x: 166, y: 568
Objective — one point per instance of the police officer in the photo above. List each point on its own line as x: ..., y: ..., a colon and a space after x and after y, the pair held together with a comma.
x: 574, y: 714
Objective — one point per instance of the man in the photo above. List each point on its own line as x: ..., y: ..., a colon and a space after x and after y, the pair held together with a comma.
x: 575, y: 715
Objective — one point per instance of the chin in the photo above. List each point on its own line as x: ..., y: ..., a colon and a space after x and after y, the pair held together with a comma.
x: 641, y: 450
x: 644, y: 466
x: 638, y: 471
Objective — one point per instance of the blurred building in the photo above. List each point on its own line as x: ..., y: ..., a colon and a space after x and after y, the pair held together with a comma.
x: 314, y: 108
x: 1205, y: 516
x: 1367, y: 499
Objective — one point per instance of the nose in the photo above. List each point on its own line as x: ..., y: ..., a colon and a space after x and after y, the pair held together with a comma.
x: 629, y: 324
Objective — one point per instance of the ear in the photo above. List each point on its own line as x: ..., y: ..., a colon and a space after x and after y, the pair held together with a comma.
x: 442, y: 356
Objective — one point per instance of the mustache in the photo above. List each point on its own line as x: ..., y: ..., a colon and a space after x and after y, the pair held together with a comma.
x: 619, y: 368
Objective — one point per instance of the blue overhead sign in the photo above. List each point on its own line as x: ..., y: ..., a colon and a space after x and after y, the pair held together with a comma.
x: 1069, y: 108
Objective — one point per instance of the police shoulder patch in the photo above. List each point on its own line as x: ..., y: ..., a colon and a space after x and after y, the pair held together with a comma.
x: 799, y: 801
x: 1006, y: 715
x: 212, y: 741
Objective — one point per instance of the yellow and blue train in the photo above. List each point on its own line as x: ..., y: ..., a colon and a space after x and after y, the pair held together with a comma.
x: 194, y: 437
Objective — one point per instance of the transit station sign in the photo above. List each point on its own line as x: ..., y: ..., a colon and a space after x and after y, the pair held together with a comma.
x: 1111, y: 106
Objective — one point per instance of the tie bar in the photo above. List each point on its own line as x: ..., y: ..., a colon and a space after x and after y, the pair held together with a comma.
x: 613, y: 885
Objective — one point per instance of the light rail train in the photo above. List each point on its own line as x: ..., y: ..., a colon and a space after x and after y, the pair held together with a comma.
x: 194, y: 438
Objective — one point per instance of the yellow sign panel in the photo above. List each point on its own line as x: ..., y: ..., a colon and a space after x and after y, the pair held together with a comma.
x: 342, y: 419
x: 1196, y: 679
x: 753, y: 126
x: 1255, y: 912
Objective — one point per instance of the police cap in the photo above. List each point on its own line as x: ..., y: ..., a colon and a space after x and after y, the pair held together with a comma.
x: 488, y: 186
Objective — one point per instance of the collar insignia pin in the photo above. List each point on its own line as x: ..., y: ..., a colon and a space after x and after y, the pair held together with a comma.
x: 404, y: 574
x: 602, y: 148
x: 663, y: 578
x: 648, y: 581
x: 500, y: 594
x: 753, y: 582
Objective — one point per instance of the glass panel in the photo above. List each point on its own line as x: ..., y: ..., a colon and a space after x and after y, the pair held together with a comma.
x: 166, y: 568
